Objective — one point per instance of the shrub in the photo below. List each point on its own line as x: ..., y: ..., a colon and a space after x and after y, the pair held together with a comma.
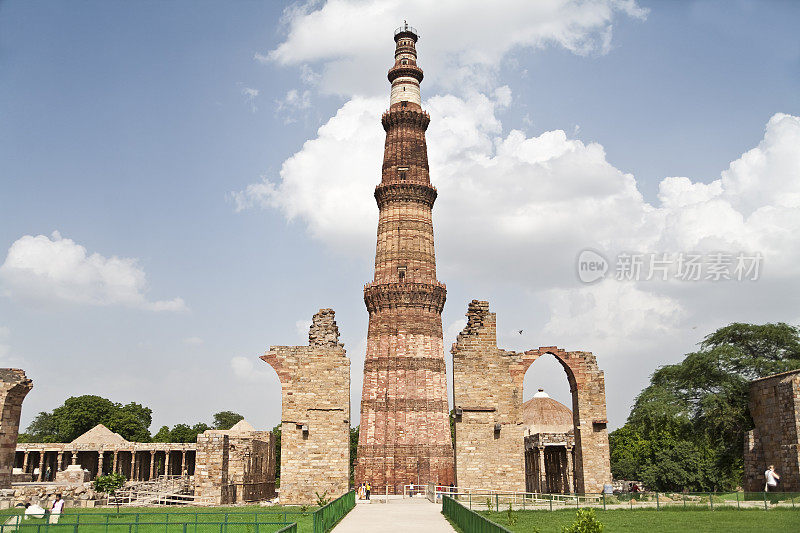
x: 585, y: 522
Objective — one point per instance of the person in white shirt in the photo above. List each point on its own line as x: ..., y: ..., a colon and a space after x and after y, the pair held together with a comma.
x: 55, y: 511
x: 772, y: 478
x: 34, y: 511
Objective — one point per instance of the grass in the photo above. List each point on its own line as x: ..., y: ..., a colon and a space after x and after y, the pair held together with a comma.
x: 240, y: 519
x: 664, y: 521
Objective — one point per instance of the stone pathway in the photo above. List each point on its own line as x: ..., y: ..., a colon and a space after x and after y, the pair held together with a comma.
x: 400, y: 515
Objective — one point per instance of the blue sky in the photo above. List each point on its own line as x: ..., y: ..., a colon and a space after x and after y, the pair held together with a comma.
x: 226, y: 152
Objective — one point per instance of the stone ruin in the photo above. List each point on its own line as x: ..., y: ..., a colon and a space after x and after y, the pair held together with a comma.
x: 775, y: 440
x: 487, y: 393
x: 14, y: 386
x: 235, y: 465
x: 315, y: 418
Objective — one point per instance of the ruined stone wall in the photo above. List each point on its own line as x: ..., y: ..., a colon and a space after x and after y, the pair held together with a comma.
x: 487, y: 390
x: 211, y: 467
x: 14, y: 386
x: 315, y: 429
x: 775, y: 409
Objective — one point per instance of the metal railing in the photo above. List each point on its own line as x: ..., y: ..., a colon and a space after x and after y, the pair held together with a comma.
x: 43, y: 526
x: 497, y: 500
x: 469, y: 521
x: 329, y: 515
x: 164, y: 517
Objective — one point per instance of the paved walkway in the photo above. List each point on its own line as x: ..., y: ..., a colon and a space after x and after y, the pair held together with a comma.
x: 400, y: 515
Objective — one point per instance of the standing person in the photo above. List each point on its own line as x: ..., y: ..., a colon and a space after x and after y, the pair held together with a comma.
x: 55, y: 510
x: 368, y: 488
x: 772, y: 478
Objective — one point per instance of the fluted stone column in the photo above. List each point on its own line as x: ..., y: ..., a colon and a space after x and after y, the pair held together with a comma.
x: 59, y: 460
x: 166, y: 463
x: 114, y: 465
x: 134, y: 467
x: 184, y: 470
x: 152, y: 463
x: 74, y: 457
x: 25, y: 462
x: 41, y: 466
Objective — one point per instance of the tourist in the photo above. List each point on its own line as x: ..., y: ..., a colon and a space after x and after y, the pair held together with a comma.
x: 368, y: 489
x: 34, y: 511
x: 55, y: 510
x: 772, y: 478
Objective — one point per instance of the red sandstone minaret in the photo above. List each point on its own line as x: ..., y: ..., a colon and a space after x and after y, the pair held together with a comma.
x: 405, y: 430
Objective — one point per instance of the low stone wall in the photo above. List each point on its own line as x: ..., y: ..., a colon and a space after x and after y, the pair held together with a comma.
x: 43, y: 494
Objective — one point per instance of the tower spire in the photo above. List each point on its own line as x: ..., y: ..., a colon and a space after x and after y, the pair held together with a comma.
x: 405, y: 429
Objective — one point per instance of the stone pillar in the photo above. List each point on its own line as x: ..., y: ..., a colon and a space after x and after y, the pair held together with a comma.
x: 14, y: 386
x: 41, y: 466
x: 569, y: 488
x: 100, y: 462
x: 59, y: 460
x: 184, y: 469
x: 25, y: 462
x: 133, y: 465
x: 166, y: 462
x: 542, y: 473
x: 114, y: 465
x: 152, y: 463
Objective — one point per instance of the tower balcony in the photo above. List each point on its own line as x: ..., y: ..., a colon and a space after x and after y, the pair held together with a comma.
x: 405, y: 115
x: 405, y: 192
x: 410, y: 71
x: 427, y: 296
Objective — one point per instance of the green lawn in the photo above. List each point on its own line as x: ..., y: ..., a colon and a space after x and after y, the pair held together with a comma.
x: 665, y: 521
x: 241, y: 519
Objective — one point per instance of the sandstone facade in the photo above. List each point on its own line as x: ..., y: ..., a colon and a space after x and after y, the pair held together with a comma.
x: 487, y: 391
x: 14, y: 386
x: 235, y: 465
x: 405, y: 435
x: 315, y: 419
x: 775, y: 408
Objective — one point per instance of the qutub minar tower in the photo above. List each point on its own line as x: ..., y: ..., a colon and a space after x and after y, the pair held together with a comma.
x: 405, y: 429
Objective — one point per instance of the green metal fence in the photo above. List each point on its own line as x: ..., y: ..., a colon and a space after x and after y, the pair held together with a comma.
x: 469, y: 521
x: 43, y: 526
x: 329, y: 515
x: 495, y: 501
x: 72, y: 516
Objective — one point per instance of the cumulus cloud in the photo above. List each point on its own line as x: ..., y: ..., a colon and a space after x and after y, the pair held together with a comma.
x: 469, y: 42
x: 252, y: 370
x: 294, y: 101
x: 42, y: 269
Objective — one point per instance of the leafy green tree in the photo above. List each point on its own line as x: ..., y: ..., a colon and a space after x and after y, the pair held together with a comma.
x: 277, y: 432
x: 110, y: 484
x: 687, y: 427
x: 79, y: 414
x: 163, y: 435
x: 353, y: 452
x: 226, y: 419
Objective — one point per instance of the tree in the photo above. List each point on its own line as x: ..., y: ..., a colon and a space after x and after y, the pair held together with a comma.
x: 163, y: 435
x: 687, y: 427
x: 277, y: 432
x: 79, y: 414
x: 226, y: 419
x: 110, y: 484
x: 353, y: 452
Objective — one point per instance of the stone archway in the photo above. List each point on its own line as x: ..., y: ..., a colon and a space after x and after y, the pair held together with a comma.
x: 487, y: 393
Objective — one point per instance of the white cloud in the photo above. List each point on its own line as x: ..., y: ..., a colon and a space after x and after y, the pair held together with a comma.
x: 252, y: 370
x: 462, y: 42
x: 193, y: 341
x: 43, y: 269
x: 292, y: 103
x: 250, y: 95
x: 302, y: 327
